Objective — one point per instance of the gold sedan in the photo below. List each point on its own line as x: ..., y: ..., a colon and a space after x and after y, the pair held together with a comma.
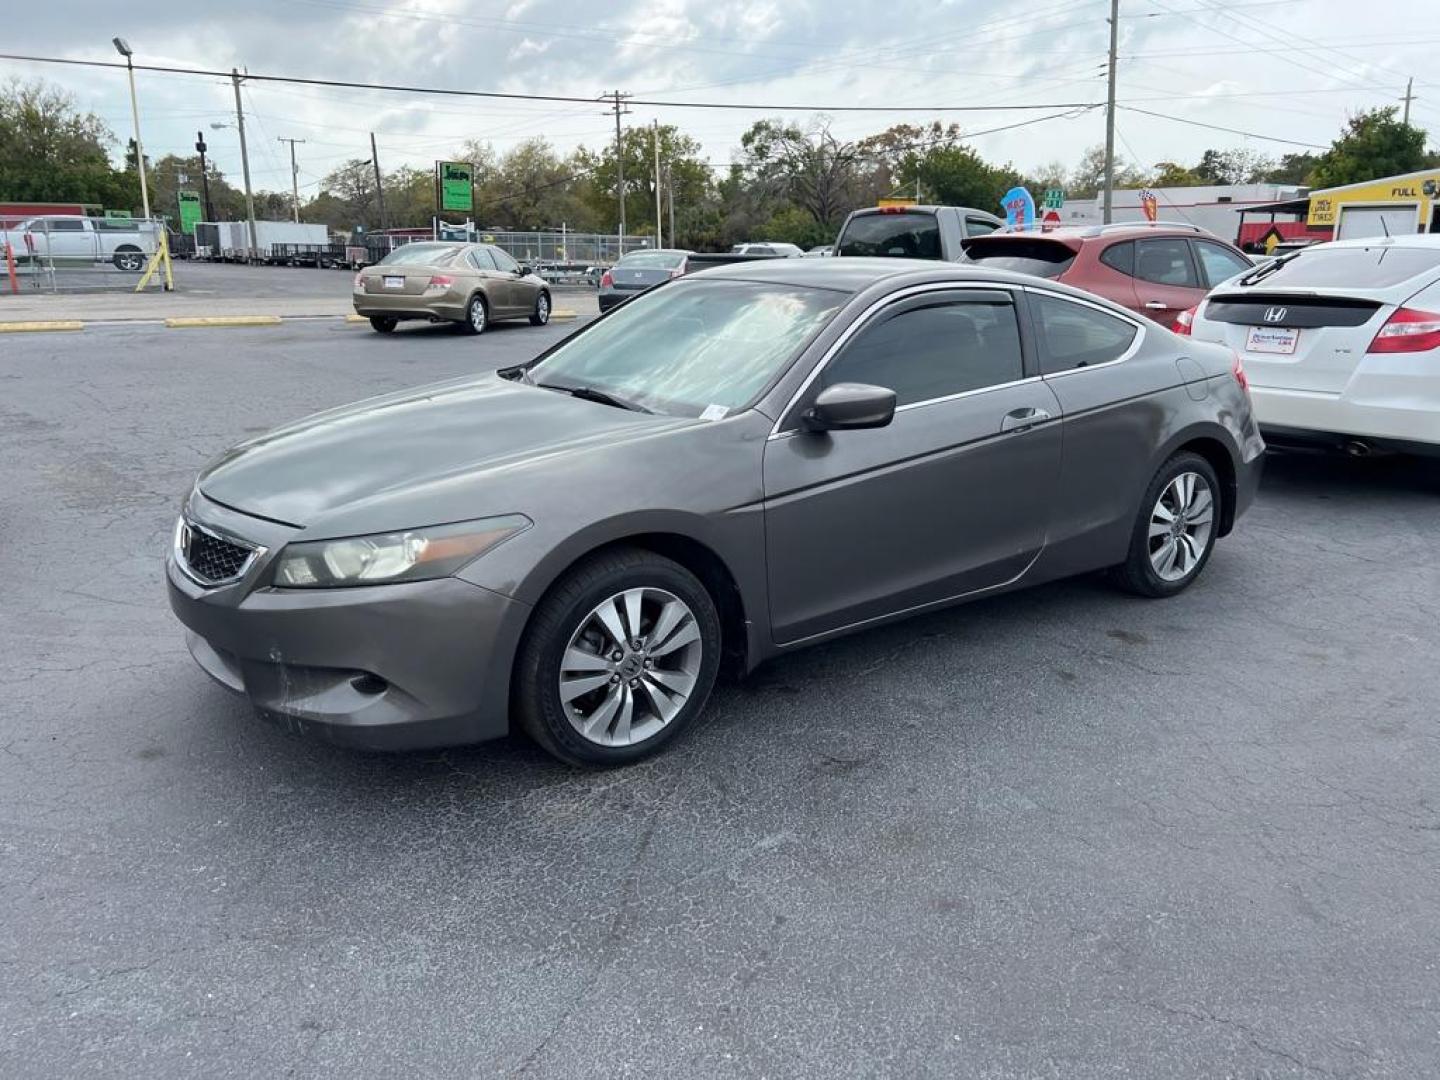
x: 470, y: 284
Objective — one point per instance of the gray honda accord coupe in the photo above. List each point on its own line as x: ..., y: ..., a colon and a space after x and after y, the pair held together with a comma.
x: 734, y: 465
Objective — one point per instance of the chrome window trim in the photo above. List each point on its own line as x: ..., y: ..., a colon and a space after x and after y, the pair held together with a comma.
x: 182, y: 561
x: 864, y: 319
x: 1135, y: 343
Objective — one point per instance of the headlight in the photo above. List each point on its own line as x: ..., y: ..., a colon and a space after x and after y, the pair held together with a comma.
x: 417, y: 554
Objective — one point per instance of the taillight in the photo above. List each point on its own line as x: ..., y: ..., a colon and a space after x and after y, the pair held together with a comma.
x: 439, y: 281
x: 1408, y: 330
x: 1238, y: 370
x: 1185, y: 322
x: 359, y: 282
x: 606, y: 281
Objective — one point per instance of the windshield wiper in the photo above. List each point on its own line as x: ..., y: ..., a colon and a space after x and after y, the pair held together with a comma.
x: 590, y: 393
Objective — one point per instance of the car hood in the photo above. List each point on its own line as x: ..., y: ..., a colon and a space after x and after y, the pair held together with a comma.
x: 414, y: 458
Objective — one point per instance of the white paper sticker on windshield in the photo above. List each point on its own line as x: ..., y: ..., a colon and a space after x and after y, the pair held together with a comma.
x: 714, y: 412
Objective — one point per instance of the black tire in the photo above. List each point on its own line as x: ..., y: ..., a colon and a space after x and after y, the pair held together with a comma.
x: 1137, y: 574
x: 384, y: 324
x: 131, y: 260
x: 541, y: 315
x: 535, y: 689
x: 470, y: 324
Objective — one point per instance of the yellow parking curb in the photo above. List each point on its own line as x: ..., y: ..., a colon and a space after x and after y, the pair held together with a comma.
x: 224, y: 320
x: 563, y: 315
x: 352, y: 317
x: 37, y: 327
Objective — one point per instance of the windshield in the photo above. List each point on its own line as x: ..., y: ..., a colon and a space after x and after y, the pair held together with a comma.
x: 692, y: 347
x: 1042, y: 258
x: 419, y: 254
x: 664, y: 260
x: 1352, y: 267
x: 906, y: 236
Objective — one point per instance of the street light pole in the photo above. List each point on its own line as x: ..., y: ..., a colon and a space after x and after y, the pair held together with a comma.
x: 245, y: 163
x: 123, y: 48
x: 200, y: 148
x: 1108, y: 202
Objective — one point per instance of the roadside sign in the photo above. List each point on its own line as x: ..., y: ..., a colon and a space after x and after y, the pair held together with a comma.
x: 1149, y: 204
x: 455, y: 181
x: 894, y: 202
x: 1050, y: 222
x: 118, y: 215
x: 190, y: 211
x: 1019, y: 207
x: 1054, y: 198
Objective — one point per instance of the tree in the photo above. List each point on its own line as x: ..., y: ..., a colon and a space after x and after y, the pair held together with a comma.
x: 1292, y: 169
x: 1238, y: 166
x: 810, y: 167
x: 51, y: 151
x: 1173, y: 174
x: 1372, y: 144
x: 596, y: 178
x: 1088, y: 179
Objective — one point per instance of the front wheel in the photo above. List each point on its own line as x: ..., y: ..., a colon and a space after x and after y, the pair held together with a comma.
x: 619, y: 658
x: 1175, y: 532
x: 541, y: 315
x: 131, y: 260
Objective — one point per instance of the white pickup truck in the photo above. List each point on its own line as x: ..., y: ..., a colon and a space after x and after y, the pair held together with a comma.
x: 71, y: 240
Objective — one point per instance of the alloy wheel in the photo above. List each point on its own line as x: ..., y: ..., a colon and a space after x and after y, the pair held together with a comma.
x: 1180, y: 526
x: 542, y: 309
x: 630, y: 666
x: 477, y: 315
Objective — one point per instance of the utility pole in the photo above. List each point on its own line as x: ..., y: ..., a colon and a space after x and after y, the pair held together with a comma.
x: 123, y: 48
x: 619, y: 109
x: 294, y: 175
x: 1409, y: 97
x: 1106, y: 206
x: 659, y: 203
x: 245, y: 163
x: 200, y: 148
x: 379, y: 187
x: 670, y: 193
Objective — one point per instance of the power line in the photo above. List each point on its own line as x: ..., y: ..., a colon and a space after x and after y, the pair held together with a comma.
x: 1217, y: 127
x: 408, y: 89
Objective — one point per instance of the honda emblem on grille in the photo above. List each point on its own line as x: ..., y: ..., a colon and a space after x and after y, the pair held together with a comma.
x: 1275, y: 314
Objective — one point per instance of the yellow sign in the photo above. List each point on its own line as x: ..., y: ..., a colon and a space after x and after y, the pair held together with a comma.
x: 1325, y: 205
x: 895, y: 202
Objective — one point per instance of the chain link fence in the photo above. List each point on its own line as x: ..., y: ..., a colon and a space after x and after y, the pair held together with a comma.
x: 67, y: 253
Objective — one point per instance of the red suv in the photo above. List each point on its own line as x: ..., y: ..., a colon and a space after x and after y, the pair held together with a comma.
x: 1157, y: 270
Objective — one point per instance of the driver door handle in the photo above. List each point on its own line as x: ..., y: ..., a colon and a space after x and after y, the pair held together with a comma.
x: 1023, y: 419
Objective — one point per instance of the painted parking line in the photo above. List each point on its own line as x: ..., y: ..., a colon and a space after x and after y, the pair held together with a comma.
x: 223, y: 320
x: 40, y: 327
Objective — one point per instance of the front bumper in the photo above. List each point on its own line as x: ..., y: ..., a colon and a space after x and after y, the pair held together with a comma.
x: 384, y: 667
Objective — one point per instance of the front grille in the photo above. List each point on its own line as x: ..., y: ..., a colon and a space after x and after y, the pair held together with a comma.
x: 211, y: 558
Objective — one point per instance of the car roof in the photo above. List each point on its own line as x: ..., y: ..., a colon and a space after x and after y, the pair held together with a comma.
x: 853, y: 273
x: 1419, y: 240
x: 658, y: 251
x: 1079, y: 234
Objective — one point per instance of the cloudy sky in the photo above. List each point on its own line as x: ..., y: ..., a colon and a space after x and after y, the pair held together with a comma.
x: 1287, y: 69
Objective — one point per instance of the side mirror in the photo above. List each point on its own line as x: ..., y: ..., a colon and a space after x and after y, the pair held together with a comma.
x: 525, y: 271
x: 846, y: 406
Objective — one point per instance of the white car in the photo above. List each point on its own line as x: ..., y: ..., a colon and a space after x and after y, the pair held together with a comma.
x: 1340, y: 342
x: 767, y: 247
x: 72, y: 240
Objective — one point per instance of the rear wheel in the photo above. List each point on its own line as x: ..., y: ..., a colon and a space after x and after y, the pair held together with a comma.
x: 477, y: 317
x: 1176, y: 528
x: 131, y: 260
x: 384, y: 324
x: 541, y: 315
x: 619, y: 658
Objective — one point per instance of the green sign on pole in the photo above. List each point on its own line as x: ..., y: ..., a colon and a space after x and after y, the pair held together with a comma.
x: 118, y: 215
x: 457, y: 185
x: 1054, y: 198
x: 189, y: 211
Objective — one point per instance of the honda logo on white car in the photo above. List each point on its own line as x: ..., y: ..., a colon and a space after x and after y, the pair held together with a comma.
x: 1275, y: 314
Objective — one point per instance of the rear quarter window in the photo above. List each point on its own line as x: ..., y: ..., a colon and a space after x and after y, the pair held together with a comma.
x: 904, y: 236
x: 1040, y: 258
x: 1074, y: 335
x: 1120, y: 257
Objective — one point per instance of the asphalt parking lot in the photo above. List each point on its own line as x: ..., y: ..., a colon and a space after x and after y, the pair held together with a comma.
x: 1062, y: 833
